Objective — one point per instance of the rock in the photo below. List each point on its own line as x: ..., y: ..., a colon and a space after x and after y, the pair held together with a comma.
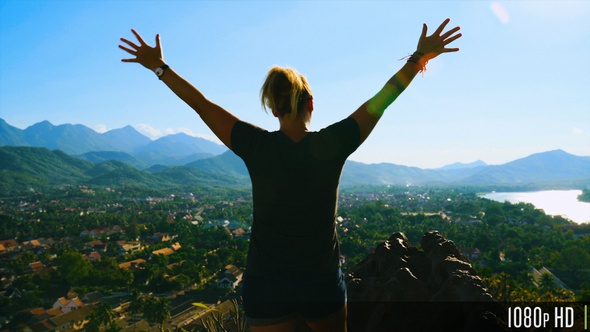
x: 402, y: 288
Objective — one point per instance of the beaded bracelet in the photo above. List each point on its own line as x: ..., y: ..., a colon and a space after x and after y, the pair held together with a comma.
x: 415, y: 58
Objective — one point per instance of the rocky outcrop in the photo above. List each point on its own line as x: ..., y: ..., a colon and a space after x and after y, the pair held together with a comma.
x: 402, y: 288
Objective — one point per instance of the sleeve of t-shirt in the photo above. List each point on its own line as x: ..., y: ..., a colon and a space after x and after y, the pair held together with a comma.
x: 348, y: 134
x: 341, y: 138
x: 244, y: 137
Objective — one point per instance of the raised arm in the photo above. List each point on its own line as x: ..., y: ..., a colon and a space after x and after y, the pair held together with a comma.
x: 215, y: 117
x: 429, y: 47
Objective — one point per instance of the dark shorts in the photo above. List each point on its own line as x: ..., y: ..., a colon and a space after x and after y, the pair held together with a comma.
x: 269, y: 301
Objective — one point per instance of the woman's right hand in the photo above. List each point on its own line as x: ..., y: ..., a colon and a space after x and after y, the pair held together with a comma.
x: 147, y: 56
x: 435, y: 44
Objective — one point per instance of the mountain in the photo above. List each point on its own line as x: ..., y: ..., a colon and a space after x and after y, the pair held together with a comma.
x: 547, y: 167
x: 178, y: 149
x: 127, y: 139
x: 227, y: 163
x: 180, y: 160
x: 31, y: 167
x: 23, y: 168
x: 186, y: 143
x: 356, y: 173
x: 10, y: 135
x: 71, y: 139
x: 116, y: 173
x: 553, y: 167
x: 102, y: 156
x: 478, y: 163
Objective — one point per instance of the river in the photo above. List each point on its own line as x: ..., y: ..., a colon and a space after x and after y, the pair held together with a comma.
x: 554, y: 202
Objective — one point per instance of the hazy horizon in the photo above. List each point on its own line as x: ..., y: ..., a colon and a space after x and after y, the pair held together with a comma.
x: 219, y: 143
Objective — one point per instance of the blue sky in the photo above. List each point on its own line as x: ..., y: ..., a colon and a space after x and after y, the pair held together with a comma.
x: 520, y: 84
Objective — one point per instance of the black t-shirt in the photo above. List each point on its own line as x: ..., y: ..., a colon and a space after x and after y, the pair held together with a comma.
x: 295, y: 194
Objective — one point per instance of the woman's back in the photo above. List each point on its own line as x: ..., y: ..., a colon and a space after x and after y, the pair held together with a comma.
x: 295, y: 193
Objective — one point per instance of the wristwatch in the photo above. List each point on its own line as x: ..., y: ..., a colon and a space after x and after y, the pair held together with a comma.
x: 160, y: 70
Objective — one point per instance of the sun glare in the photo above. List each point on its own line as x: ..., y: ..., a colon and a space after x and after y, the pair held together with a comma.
x: 500, y: 11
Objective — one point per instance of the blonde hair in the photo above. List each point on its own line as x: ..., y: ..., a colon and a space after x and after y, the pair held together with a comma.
x: 282, y: 90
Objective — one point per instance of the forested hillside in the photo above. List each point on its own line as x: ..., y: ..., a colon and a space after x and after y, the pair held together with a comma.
x: 40, y: 168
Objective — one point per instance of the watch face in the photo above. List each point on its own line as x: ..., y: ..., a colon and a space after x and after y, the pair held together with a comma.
x: 159, y: 71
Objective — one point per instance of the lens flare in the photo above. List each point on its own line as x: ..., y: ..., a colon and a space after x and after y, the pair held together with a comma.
x: 500, y: 12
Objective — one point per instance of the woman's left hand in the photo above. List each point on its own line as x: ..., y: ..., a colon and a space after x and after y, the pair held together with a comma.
x: 147, y: 56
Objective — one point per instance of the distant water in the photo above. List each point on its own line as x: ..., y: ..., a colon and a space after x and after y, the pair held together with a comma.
x: 554, y: 202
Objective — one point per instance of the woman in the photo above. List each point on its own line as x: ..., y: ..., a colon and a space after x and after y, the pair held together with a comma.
x: 292, y: 269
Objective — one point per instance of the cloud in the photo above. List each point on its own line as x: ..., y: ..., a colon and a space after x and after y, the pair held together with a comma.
x: 101, y: 128
x: 155, y: 133
x: 580, y: 132
x: 500, y: 11
x: 149, y: 131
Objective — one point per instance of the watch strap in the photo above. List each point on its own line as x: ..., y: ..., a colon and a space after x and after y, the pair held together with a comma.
x: 160, y: 71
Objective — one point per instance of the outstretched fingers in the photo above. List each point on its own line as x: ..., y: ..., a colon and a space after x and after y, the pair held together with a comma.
x: 135, y: 47
x: 441, y: 27
x: 138, y: 37
x: 448, y: 37
x: 158, y: 41
x: 449, y: 50
x: 130, y: 43
x: 449, y: 40
x: 424, y: 31
x: 450, y: 32
x: 452, y: 39
x: 128, y: 50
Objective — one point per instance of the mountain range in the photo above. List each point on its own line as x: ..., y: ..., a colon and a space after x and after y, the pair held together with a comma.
x: 125, y: 144
x: 45, y: 155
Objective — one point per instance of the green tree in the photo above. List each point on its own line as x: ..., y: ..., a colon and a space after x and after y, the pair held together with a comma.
x: 585, y: 196
x: 101, y: 318
x: 574, y: 258
x: 73, y: 267
x: 181, y: 281
x: 132, y: 230
x: 547, y: 282
x: 135, y: 302
x: 190, y: 268
x: 156, y: 310
x: 525, y: 278
x: 494, y: 215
